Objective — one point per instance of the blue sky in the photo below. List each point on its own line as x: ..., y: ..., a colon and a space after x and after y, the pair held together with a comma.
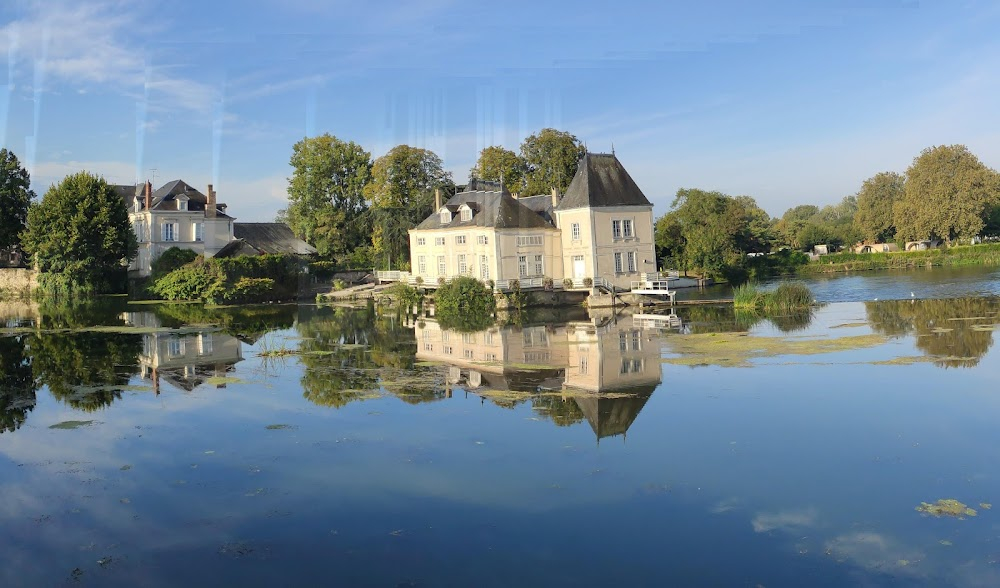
x: 789, y: 102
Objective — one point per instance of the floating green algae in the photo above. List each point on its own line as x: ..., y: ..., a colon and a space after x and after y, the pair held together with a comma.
x: 947, y: 507
x: 737, y: 349
x: 72, y: 424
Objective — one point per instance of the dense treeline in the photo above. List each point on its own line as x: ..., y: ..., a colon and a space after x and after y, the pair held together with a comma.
x: 947, y: 195
x: 356, y: 211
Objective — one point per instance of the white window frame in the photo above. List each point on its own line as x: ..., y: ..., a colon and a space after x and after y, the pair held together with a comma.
x: 539, y: 265
x: 627, y: 228
x: 616, y: 229
x: 422, y: 264
x: 632, y: 262
x: 529, y: 241
x: 439, y: 241
x: 466, y: 214
x: 459, y: 239
x: 182, y: 205
x: 445, y: 217
x: 483, y: 240
x: 199, y: 232
x: 171, y: 233
x: 484, y: 267
x: 421, y: 241
x: 575, y: 231
x: 619, y: 262
x: 463, y: 267
x: 522, y: 266
x: 442, y: 266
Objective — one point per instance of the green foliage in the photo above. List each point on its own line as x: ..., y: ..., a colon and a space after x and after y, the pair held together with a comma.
x: 249, y: 290
x: 985, y: 254
x: 15, y: 198
x: 806, y: 226
x: 876, y: 199
x: 498, y: 164
x: 190, y: 282
x: 326, y: 201
x: 779, y: 263
x: 322, y: 269
x: 567, y: 283
x: 17, y: 383
x: 172, y: 259
x: 339, y: 285
x: 786, y: 297
x: 706, y: 230
x: 231, y: 280
x: 401, y: 193
x: 948, y: 195
x: 81, y: 231
x: 404, y: 295
x: 464, y: 303
x: 550, y: 158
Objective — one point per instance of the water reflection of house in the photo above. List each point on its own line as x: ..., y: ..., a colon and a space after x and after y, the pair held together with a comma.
x: 185, y: 358
x: 608, y: 370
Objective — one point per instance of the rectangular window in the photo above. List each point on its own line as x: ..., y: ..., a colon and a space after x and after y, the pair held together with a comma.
x: 468, y: 354
x: 428, y: 347
x: 618, y: 263
x: 466, y: 214
x: 421, y: 241
x: 622, y: 342
x: 631, y: 261
x: 447, y: 349
x: 483, y: 240
x: 205, y: 344
x: 627, y: 228
x: 463, y: 268
x: 484, y: 267
x: 469, y: 338
x: 442, y: 269
x: 530, y: 241
x: 575, y: 229
x: 169, y: 231
x: 539, y: 269
x: 199, y: 231
x: 636, y: 341
x: 616, y: 229
x: 439, y: 241
x: 175, y: 347
x: 182, y: 205
x: 584, y: 363
x: 460, y: 240
x: 522, y: 265
x: 488, y: 338
x: 422, y: 265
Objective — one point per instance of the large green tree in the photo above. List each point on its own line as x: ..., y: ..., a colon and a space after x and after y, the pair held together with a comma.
x: 712, y: 226
x: 498, y: 164
x: 948, y: 195
x: 551, y: 158
x: 326, y: 200
x: 80, y: 230
x: 15, y: 196
x: 401, y: 193
x: 874, y: 218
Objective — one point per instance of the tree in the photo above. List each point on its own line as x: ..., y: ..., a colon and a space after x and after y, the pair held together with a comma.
x: 669, y: 237
x: 948, y: 195
x: 711, y: 224
x: 878, y: 194
x: 551, y: 158
x: 80, y: 231
x: 758, y: 234
x: 326, y: 201
x: 498, y: 164
x: 401, y: 193
x: 15, y: 196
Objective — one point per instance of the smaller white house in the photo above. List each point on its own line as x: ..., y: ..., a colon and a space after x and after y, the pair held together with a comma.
x: 175, y: 215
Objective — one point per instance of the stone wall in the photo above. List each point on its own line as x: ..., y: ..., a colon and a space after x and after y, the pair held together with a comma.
x: 17, y: 283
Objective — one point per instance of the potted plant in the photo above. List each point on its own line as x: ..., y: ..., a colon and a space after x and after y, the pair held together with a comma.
x: 568, y: 283
x: 440, y: 280
x: 547, y: 283
x: 588, y: 282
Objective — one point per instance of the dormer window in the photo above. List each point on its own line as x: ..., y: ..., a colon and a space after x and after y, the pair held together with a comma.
x: 182, y: 203
x: 445, y: 216
x: 466, y: 214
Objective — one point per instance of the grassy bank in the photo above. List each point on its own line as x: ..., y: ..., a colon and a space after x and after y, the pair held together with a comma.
x: 785, y: 298
x: 987, y: 254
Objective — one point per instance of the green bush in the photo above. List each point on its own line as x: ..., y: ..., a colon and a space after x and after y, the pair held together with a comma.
x: 172, y: 259
x: 786, y: 297
x: 403, y: 294
x: 464, y: 302
x: 231, y: 280
x: 248, y: 290
x: 567, y: 283
x: 339, y: 285
x: 322, y: 269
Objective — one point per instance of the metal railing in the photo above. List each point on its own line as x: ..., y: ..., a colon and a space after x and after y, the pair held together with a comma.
x: 660, y: 286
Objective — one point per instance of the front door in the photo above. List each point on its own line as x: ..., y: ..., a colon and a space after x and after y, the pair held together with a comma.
x: 578, y: 267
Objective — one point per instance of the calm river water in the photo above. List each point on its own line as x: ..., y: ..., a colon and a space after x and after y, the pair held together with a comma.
x: 164, y: 445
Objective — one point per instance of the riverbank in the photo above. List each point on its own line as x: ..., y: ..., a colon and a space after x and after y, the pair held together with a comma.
x: 967, y: 255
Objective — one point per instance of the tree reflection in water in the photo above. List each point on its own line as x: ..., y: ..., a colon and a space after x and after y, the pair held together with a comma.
x: 956, y: 332
x: 17, y: 383
x: 88, y: 371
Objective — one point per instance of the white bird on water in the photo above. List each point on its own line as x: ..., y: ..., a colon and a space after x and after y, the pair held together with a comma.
x: 912, y: 295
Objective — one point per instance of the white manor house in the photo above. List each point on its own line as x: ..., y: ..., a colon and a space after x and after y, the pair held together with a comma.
x: 598, y: 234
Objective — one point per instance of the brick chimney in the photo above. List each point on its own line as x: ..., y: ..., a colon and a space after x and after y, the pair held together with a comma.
x: 555, y: 197
x: 148, y: 195
x: 210, y: 206
x: 437, y: 199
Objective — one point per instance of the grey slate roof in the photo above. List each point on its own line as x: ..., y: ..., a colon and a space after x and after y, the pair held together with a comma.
x: 273, y: 238
x: 495, y: 209
x: 165, y: 197
x: 613, y: 416
x: 541, y: 204
x: 601, y: 180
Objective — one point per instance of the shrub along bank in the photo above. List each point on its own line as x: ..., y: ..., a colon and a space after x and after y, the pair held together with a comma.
x: 985, y: 254
x: 265, y: 278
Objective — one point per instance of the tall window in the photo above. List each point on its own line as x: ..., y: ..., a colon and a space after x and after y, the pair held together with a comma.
x: 199, y: 231
x: 616, y: 229
x: 539, y: 270
x: 627, y: 228
x: 466, y: 214
x: 182, y: 205
x: 169, y: 231
x: 460, y: 240
x: 575, y: 230
x: 445, y: 216
x: 484, y: 267
x: 631, y: 261
x: 618, y: 262
x: 463, y: 268
x: 442, y: 269
x: 522, y: 265
x: 422, y: 264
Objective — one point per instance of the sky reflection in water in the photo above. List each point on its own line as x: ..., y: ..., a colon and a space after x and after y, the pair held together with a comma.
x: 384, y: 453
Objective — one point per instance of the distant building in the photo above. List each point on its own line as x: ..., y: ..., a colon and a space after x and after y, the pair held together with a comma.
x: 175, y: 215
x: 601, y: 229
x: 265, y: 239
x: 875, y: 248
x: 922, y: 245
